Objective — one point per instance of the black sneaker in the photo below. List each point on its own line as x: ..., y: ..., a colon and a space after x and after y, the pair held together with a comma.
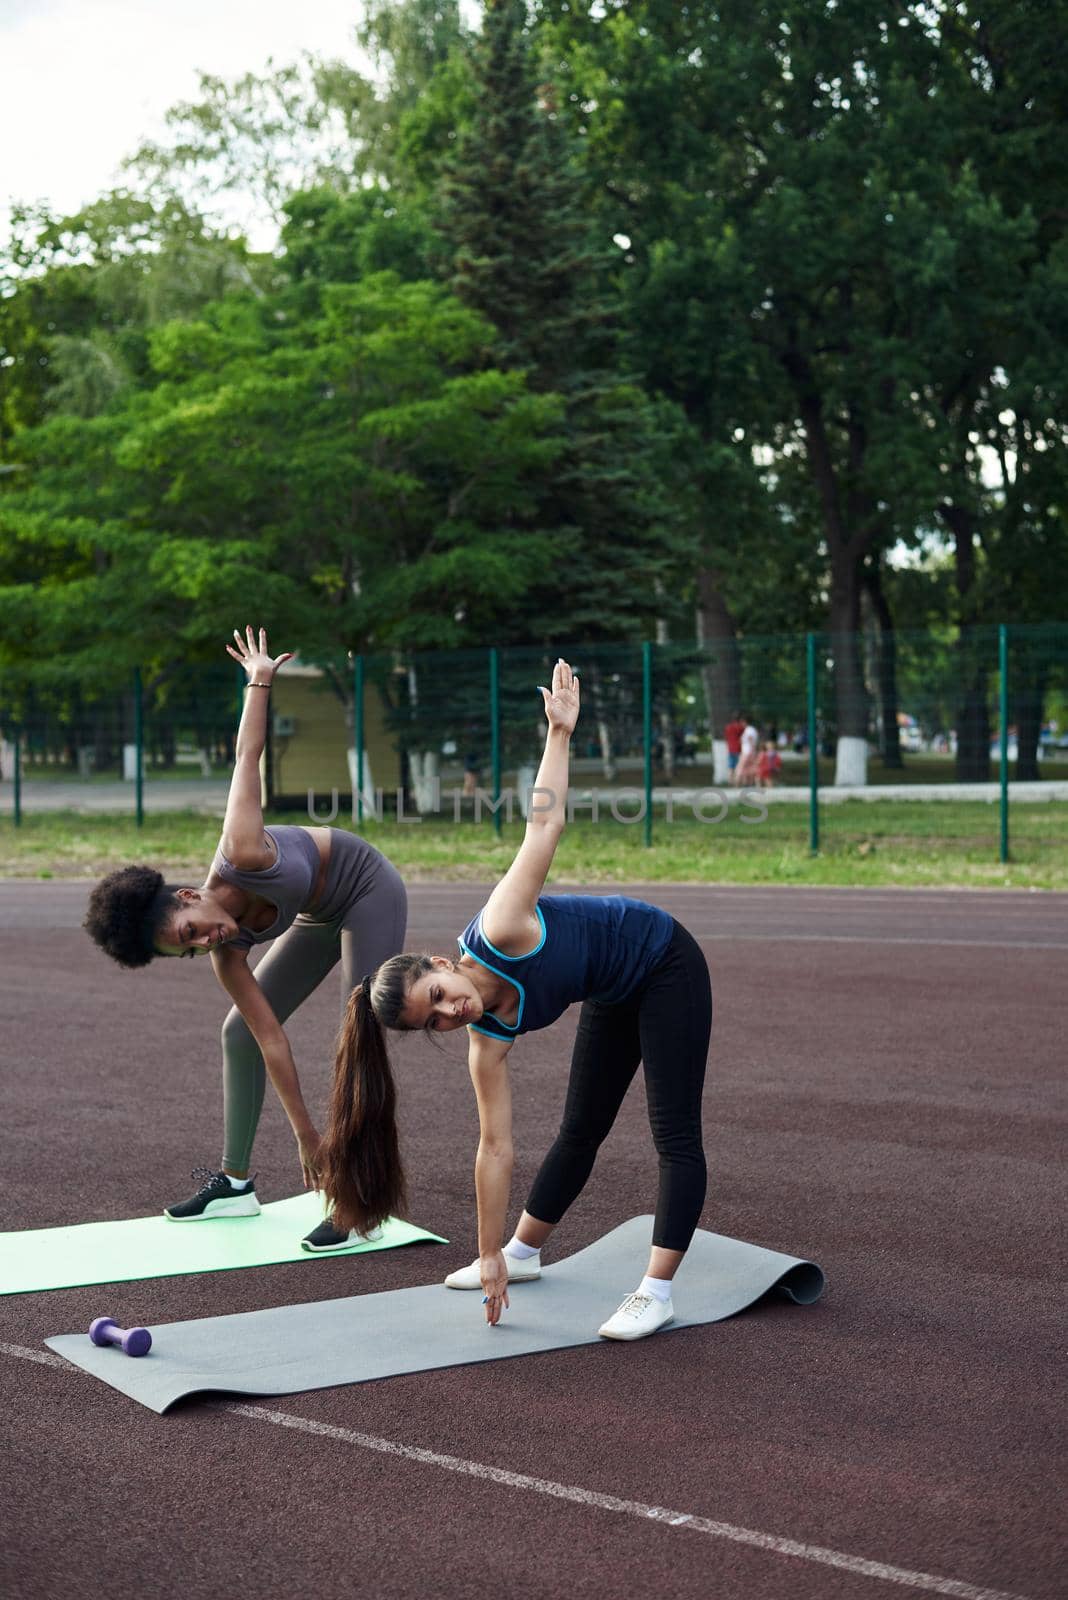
x: 327, y: 1237
x: 216, y: 1197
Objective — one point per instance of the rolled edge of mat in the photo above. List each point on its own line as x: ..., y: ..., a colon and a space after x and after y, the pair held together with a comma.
x: 803, y: 1283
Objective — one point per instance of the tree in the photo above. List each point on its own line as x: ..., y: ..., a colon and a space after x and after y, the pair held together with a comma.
x: 255, y: 141
x: 423, y: 93
x: 351, y: 471
x: 804, y: 214
x: 340, y: 238
x: 79, y: 293
x: 514, y: 214
x: 1000, y: 397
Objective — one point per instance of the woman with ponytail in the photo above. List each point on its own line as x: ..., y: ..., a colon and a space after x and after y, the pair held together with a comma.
x: 646, y: 1000
x: 322, y: 895
x: 360, y: 1166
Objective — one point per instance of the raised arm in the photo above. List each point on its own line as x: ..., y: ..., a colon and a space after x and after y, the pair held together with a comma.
x: 243, y: 841
x: 509, y: 920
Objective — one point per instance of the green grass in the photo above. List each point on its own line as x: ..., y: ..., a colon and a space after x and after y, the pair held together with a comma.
x: 865, y: 843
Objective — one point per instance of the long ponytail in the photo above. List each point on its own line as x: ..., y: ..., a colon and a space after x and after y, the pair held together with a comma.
x: 360, y: 1163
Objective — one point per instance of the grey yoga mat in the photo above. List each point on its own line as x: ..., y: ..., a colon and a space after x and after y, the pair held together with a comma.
x: 315, y: 1346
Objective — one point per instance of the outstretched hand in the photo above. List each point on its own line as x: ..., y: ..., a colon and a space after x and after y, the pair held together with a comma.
x: 256, y: 660
x: 309, y: 1145
x: 494, y: 1272
x: 562, y: 700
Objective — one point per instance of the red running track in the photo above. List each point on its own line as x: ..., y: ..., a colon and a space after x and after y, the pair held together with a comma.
x: 884, y: 1095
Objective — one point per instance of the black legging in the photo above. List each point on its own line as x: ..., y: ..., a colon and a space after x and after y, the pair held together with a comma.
x: 666, y: 1026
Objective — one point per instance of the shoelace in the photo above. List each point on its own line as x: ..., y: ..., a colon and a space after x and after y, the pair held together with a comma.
x: 635, y: 1305
x: 210, y: 1176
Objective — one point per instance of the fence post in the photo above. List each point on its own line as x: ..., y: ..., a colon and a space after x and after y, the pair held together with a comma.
x: 1003, y: 741
x: 18, y: 777
x: 647, y: 736
x: 495, y: 733
x: 358, y: 730
x: 139, y: 746
x: 813, y: 750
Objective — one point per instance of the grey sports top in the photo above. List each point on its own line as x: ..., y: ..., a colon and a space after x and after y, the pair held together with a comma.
x: 286, y: 883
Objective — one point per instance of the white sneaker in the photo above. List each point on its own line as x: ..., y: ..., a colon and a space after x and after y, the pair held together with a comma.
x: 518, y: 1272
x: 637, y: 1317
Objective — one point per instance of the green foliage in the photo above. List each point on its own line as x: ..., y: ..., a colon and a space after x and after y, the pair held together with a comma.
x: 79, y: 295
x: 571, y: 317
x: 319, y: 123
x: 334, y: 238
x: 513, y: 209
x: 351, y: 472
x: 841, y: 223
x: 261, y: 137
x: 424, y: 93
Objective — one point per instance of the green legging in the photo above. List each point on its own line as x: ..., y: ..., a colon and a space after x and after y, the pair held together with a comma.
x: 363, y: 929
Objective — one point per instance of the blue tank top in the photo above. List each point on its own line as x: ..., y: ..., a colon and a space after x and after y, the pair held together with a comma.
x: 286, y: 883
x: 591, y: 948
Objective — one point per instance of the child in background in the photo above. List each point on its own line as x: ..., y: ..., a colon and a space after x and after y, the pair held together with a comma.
x: 770, y: 764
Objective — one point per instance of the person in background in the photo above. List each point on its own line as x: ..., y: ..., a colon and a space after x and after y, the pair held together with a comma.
x: 747, y: 770
x: 732, y: 735
x: 769, y: 766
x: 472, y: 771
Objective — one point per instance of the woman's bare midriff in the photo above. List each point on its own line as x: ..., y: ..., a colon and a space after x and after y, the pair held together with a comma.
x: 322, y: 844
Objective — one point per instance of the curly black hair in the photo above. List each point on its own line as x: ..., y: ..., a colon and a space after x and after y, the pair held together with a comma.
x: 126, y: 912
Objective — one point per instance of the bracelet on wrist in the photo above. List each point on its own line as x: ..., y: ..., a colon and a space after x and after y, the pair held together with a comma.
x: 251, y: 685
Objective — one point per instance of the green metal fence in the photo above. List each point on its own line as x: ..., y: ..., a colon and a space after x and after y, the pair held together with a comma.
x: 911, y: 713
x: 103, y: 751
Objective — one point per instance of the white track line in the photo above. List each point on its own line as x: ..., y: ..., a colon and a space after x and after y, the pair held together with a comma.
x: 585, y: 1497
x: 44, y: 1357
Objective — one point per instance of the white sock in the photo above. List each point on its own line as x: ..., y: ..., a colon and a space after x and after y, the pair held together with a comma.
x: 237, y: 1183
x: 520, y: 1251
x: 659, y: 1288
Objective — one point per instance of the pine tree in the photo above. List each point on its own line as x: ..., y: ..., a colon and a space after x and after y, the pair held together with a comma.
x: 515, y: 214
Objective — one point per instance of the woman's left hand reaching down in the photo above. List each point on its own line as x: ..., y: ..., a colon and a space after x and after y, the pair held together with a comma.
x: 494, y: 1269
x: 309, y: 1144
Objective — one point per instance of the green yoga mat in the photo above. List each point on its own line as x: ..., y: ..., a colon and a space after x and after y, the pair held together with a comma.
x: 154, y: 1247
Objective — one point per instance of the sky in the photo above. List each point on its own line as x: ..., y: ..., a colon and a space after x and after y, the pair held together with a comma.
x: 85, y: 81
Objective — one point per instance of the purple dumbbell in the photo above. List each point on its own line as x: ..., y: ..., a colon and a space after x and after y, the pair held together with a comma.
x: 132, y: 1341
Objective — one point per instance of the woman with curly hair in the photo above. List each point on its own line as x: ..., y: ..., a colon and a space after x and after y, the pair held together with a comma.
x: 322, y: 894
x: 646, y: 999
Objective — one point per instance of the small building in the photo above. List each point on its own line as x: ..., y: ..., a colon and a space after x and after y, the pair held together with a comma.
x: 312, y: 739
